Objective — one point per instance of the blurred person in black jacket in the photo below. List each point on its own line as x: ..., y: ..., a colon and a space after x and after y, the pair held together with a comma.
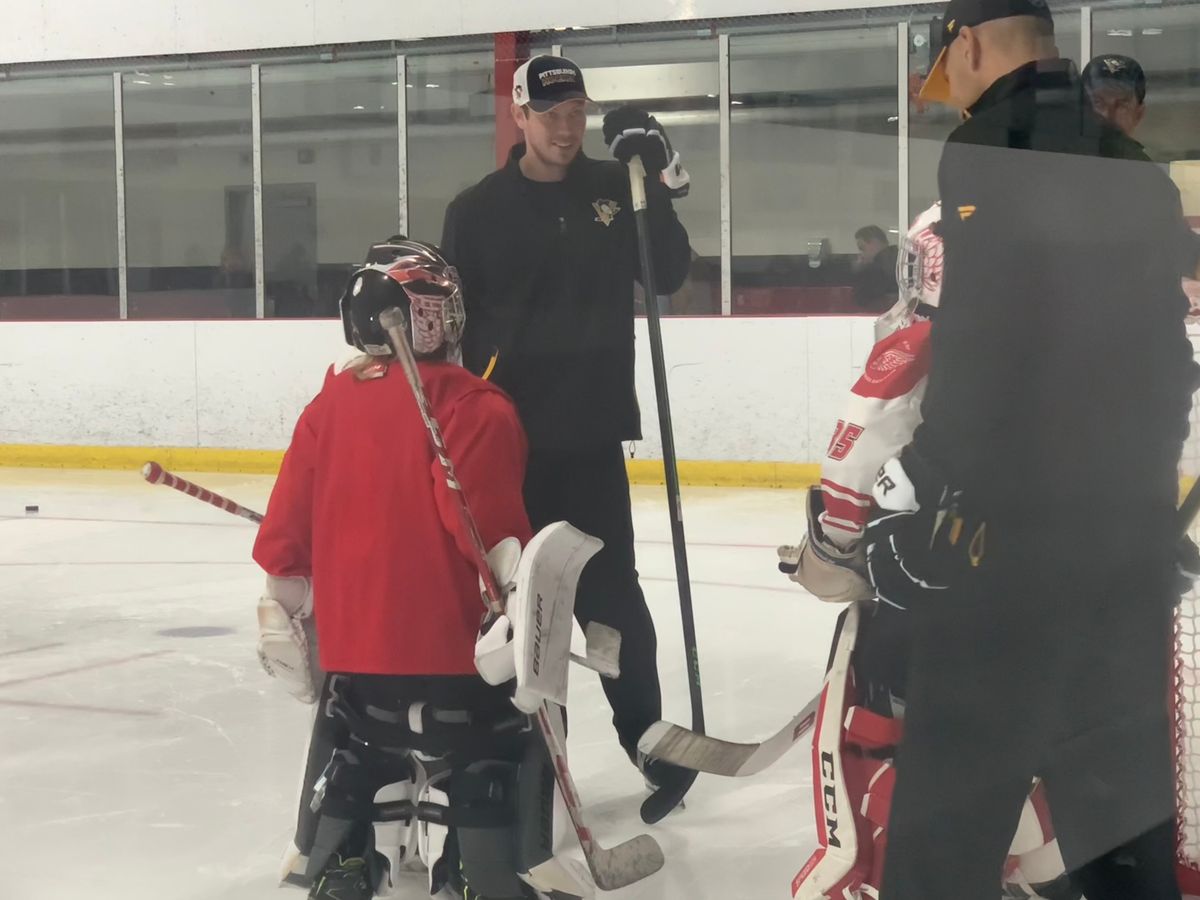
x: 547, y: 251
x: 1029, y: 526
x: 874, y: 270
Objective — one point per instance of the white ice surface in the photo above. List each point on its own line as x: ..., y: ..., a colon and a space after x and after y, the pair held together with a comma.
x: 136, y: 763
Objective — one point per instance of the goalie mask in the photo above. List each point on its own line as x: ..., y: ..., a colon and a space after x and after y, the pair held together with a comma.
x: 413, y: 277
x: 918, y: 274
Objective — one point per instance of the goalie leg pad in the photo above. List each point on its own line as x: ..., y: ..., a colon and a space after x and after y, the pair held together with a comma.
x: 504, y: 825
x: 842, y: 861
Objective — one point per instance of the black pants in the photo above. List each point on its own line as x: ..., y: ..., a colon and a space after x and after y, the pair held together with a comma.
x: 590, y: 489
x: 1021, y: 674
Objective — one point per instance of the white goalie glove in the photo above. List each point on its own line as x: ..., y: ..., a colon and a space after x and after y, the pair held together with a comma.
x: 821, y: 567
x: 531, y: 642
x: 287, y: 636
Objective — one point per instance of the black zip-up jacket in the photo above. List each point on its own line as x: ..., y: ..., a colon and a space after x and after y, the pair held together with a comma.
x: 1061, y: 375
x: 548, y: 275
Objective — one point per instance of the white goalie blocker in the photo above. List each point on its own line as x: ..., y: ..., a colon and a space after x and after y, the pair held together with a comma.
x: 531, y: 642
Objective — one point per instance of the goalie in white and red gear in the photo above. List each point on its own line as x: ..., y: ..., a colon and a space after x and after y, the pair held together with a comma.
x: 860, y: 719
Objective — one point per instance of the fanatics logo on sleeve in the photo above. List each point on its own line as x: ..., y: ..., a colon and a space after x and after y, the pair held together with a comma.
x: 606, y: 211
x: 965, y: 212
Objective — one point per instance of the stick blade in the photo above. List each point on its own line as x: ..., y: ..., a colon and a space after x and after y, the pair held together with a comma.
x: 622, y: 865
x: 677, y: 745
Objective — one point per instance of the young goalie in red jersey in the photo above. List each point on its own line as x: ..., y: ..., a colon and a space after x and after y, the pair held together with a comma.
x: 363, y: 538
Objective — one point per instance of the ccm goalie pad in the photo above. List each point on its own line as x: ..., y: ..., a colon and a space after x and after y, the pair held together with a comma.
x: 853, y: 780
x: 531, y: 642
x: 287, y: 636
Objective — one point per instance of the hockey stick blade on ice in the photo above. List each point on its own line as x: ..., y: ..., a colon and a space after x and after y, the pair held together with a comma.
x: 681, y: 747
x: 612, y: 868
x: 669, y: 795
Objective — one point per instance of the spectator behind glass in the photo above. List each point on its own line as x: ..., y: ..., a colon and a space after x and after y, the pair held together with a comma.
x: 874, y: 270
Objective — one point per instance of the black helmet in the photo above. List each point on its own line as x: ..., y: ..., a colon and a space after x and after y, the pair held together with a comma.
x: 1115, y: 71
x: 413, y: 277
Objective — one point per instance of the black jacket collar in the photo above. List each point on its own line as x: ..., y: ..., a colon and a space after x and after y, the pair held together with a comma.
x: 1053, y: 80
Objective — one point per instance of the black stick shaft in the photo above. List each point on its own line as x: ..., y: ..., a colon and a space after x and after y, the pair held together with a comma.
x: 670, y: 466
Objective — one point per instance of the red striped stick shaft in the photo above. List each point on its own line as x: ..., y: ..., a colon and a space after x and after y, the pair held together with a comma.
x: 156, y: 474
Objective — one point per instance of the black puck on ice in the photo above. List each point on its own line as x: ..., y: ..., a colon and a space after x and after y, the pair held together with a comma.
x: 30, y: 510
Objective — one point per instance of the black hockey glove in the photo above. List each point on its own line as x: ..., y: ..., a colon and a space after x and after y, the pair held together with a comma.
x: 1187, y: 566
x: 629, y: 132
x: 923, y: 535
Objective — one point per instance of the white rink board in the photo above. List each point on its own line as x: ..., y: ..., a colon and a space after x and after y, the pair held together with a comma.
x: 753, y: 389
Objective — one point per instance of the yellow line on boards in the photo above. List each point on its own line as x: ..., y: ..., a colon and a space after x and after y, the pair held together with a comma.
x: 266, y: 462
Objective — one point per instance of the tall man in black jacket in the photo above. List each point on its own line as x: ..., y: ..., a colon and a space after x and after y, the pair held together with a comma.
x: 547, y: 251
x: 1029, y: 526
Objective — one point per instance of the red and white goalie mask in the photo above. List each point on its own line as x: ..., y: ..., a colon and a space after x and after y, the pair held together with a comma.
x: 918, y: 273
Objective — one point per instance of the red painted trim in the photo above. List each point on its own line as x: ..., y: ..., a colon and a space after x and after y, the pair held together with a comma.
x: 511, y: 49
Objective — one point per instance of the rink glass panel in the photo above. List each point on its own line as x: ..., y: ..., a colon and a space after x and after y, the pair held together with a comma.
x: 676, y: 79
x: 330, y: 177
x: 58, y: 199
x: 815, y: 130
x: 189, y: 194
x: 451, y: 132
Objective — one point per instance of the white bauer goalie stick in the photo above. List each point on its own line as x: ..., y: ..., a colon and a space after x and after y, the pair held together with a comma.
x: 613, y: 868
x: 156, y: 474
x: 676, y: 744
x: 602, y: 651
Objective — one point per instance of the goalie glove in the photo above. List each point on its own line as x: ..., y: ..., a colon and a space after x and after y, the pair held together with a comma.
x: 821, y: 567
x: 925, y: 534
x: 287, y: 637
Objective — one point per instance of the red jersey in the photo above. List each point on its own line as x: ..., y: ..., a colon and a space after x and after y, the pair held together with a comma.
x: 361, y: 506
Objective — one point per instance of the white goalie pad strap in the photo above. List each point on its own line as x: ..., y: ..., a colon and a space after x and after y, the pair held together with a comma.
x: 431, y: 837
x: 834, y: 870
x: 541, y: 609
x: 397, y: 842
x: 287, y: 649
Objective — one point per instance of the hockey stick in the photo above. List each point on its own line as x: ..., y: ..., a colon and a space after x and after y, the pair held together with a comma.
x: 156, y: 474
x: 603, y: 646
x: 675, y: 744
x: 665, y: 799
x: 637, y: 857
